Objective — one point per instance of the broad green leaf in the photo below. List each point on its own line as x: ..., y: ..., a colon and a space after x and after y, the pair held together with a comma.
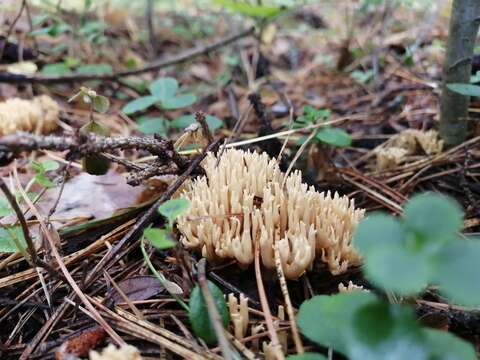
x: 173, y: 208
x: 465, y: 89
x: 186, y: 120
x: 152, y: 125
x: 44, y: 181
x: 386, y: 331
x: 198, y: 313
x: 56, y: 69
x: 178, y: 102
x: 50, y: 165
x: 160, y: 238
x: 378, y: 229
x: 97, y: 69
x: 247, y: 9
x: 446, y: 346
x: 7, y: 243
x: 101, y: 103
x: 458, y: 272
x: 394, y: 268
x: 327, y: 320
x: 164, y: 88
x: 433, y: 217
x: 5, y: 208
x: 140, y: 104
x: 334, y: 136
x: 307, y: 356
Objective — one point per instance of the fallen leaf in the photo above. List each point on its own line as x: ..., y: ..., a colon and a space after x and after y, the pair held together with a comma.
x: 137, y: 288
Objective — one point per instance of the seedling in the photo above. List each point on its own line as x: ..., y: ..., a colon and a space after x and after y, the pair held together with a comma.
x: 327, y: 134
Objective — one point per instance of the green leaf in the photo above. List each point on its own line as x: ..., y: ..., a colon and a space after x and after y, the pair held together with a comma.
x: 178, y: 102
x: 140, y: 104
x: 56, y: 69
x: 247, y: 9
x: 377, y: 229
x: 334, y: 136
x: 445, y: 346
x: 393, y: 267
x: 186, y: 120
x: 94, y: 127
x: 464, y: 89
x: 37, y: 167
x: 173, y: 208
x: 101, y: 103
x: 164, y: 88
x: 361, y: 327
x: 7, y: 243
x: 458, y: 272
x: 44, y: 181
x: 160, y: 238
x: 433, y: 217
x: 307, y: 356
x: 50, y: 165
x: 198, y: 312
x: 96, y: 69
x: 5, y: 208
x: 152, y: 125
x: 327, y: 320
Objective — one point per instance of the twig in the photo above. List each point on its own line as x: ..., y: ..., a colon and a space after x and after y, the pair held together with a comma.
x: 288, y: 304
x: 200, y: 117
x: 187, y: 55
x: 213, y: 312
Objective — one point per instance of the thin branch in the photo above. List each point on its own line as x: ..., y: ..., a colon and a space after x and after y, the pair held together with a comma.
x: 187, y: 55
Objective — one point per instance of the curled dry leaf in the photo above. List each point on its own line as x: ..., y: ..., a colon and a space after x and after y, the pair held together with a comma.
x: 137, y: 288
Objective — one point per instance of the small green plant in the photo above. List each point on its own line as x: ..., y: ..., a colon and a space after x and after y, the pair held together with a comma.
x: 94, y: 164
x: 327, y: 134
x: 255, y: 10
x: 41, y: 169
x: 197, y: 309
x: 163, y: 93
x: 401, y: 256
x: 362, y: 77
x: 198, y: 312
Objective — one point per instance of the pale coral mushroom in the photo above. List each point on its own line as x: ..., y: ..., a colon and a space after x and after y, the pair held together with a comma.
x: 241, y: 201
x: 37, y: 115
x: 125, y: 352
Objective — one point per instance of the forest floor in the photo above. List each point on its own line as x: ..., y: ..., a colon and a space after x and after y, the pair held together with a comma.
x: 373, y: 73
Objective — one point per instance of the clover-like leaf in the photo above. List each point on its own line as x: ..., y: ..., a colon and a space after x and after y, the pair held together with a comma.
x: 179, y: 101
x: 164, y: 88
x: 445, y: 346
x: 140, y: 104
x: 152, y: 125
x: 458, y: 273
x: 198, y: 312
x: 173, y: 208
x: 395, y: 268
x: 377, y: 229
x: 433, y: 217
